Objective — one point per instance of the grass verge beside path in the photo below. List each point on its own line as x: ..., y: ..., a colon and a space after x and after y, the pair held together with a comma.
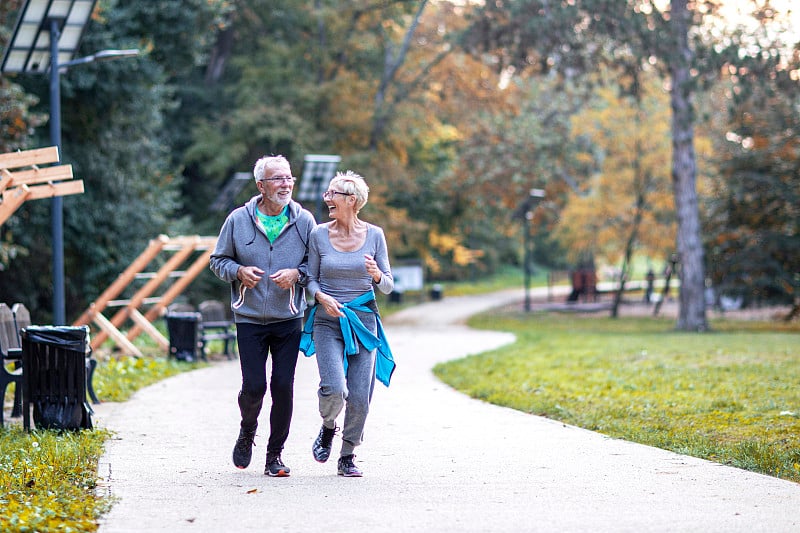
x: 730, y: 396
x: 48, y: 478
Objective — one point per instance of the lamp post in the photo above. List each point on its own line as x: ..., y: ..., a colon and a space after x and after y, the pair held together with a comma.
x: 46, y: 36
x: 525, y: 211
x: 57, y: 205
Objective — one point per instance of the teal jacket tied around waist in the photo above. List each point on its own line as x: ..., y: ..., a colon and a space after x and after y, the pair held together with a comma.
x: 354, y: 332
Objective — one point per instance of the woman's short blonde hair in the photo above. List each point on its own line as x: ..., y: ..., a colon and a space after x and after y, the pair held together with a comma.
x: 351, y: 183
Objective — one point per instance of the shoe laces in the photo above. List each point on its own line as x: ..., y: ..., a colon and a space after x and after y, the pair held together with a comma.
x: 327, y: 435
x: 276, y: 461
x: 247, y: 439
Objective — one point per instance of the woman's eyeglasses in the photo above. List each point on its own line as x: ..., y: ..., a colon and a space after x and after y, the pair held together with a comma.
x: 330, y: 193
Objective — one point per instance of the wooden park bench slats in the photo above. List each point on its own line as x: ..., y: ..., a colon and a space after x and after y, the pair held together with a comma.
x: 10, y: 352
x: 29, y: 158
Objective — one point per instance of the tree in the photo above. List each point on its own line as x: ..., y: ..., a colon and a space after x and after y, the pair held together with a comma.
x: 506, y: 151
x: 374, y: 82
x: 627, y: 205
x: 115, y: 135
x: 692, y: 310
x: 753, y: 222
x: 572, y: 38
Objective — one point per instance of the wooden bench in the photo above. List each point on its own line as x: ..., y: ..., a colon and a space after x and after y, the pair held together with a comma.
x: 10, y: 353
x: 215, y: 325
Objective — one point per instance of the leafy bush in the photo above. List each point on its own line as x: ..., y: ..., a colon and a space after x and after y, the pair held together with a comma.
x: 47, y: 480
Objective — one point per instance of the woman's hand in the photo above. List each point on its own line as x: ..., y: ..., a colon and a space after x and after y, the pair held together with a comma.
x: 329, y: 304
x: 372, y: 268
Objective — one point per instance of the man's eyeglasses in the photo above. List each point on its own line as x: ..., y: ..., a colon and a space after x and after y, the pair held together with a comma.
x: 330, y: 193
x: 280, y: 179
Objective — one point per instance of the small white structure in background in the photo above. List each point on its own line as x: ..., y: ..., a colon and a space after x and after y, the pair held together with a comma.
x: 408, y: 277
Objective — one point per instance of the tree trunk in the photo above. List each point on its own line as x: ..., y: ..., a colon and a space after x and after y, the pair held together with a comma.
x: 391, y: 65
x: 692, y: 309
x: 219, y: 56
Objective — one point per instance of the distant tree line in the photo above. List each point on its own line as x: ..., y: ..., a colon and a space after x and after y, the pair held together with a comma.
x: 651, y: 134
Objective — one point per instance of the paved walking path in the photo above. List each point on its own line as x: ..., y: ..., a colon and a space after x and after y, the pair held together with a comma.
x: 434, y: 460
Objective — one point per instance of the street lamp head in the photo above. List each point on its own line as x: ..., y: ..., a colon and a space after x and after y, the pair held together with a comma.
x: 104, y: 55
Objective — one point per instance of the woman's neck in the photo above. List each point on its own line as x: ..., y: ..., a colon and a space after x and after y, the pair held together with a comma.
x: 345, y: 228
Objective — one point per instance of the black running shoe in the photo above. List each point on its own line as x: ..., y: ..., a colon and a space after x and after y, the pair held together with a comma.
x: 276, y: 468
x: 323, y: 443
x: 243, y: 449
x: 347, y: 467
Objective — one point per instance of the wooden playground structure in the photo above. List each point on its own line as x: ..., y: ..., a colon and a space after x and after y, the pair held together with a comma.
x: 173, y: 253
x: 21, y: 178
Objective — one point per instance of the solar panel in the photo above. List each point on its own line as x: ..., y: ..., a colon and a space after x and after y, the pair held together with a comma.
x: 29, y: 47
x: 317, y: 173
x: 226, y: 200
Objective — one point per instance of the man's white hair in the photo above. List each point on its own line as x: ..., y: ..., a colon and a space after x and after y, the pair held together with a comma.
x: 269, y: 162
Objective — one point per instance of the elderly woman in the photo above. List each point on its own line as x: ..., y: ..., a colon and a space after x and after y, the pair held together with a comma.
x: 347, y: 257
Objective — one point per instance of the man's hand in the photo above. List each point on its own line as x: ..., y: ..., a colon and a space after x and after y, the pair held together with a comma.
x: 249, y: 275
x: 285, y: 277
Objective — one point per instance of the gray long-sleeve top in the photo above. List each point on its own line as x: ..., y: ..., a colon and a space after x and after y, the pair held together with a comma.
x: 343, y: 275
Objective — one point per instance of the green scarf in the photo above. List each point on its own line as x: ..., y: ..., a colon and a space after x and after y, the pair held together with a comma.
x: 273, y: 225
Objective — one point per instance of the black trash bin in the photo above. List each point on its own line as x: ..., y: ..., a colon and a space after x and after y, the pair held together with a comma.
x: 436, y: 292
x: 54, y: 377
x: 185, y: 336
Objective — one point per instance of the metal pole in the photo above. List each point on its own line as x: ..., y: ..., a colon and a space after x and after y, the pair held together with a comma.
x: 57, y: 203
x: 527, y: 229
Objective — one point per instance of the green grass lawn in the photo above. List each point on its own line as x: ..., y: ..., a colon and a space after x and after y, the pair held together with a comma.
x: 730, y: 396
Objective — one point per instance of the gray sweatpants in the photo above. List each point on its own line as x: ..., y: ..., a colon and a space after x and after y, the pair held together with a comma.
x: 352, y: 392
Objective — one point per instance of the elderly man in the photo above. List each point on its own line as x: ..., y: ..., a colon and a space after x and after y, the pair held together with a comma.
x: 262, y: 251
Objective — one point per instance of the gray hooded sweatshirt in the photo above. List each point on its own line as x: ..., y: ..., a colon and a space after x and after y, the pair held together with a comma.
x: 243, y: 242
